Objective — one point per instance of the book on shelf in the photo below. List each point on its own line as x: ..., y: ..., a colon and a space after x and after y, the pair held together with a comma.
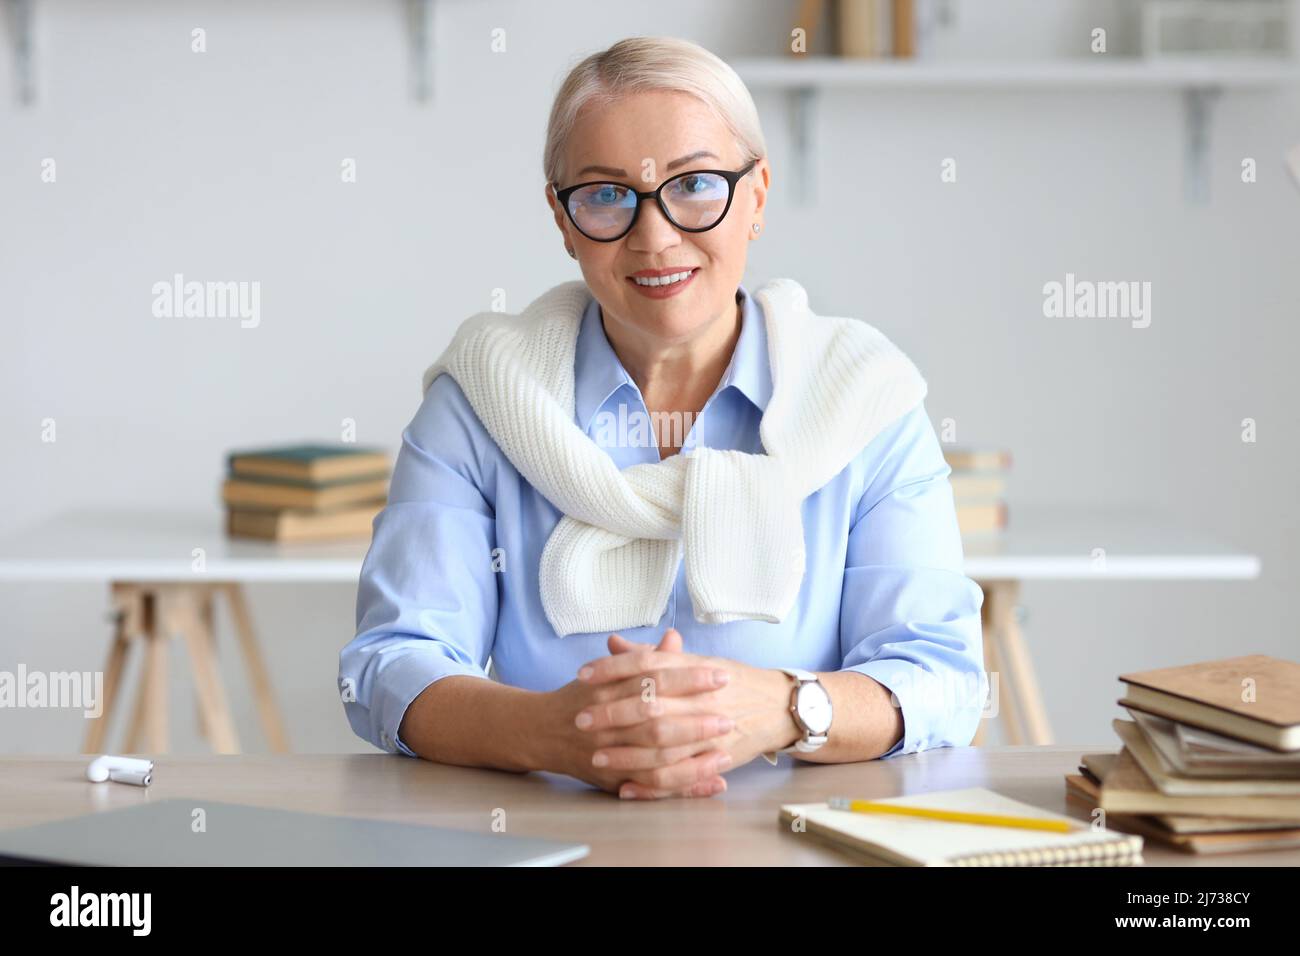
x: 873, y: 29
x: 809, y: 17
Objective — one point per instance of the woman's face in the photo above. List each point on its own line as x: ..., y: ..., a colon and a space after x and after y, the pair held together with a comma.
x: 639, y: 141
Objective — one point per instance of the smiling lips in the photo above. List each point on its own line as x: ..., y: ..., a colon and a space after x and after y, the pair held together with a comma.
x: 661, y: 283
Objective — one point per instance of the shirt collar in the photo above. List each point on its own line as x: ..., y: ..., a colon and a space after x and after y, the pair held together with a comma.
x: 598, y: 373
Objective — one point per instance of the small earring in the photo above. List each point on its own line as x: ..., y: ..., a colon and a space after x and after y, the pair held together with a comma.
x: 571, y: 253
x: 757, y: 227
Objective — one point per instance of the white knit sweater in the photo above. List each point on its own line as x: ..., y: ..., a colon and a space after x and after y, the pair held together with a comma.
x: 611, y: 561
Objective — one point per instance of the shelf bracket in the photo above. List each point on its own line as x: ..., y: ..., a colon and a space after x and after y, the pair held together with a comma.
x: 803, y: 103
x: 1198, y: 102
x: 19, y: 15
x: 420, y: 30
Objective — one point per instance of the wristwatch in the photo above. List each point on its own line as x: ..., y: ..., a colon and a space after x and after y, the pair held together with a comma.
x: 810, y: 705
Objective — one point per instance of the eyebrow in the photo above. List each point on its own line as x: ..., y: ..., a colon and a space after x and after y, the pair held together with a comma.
x: 612, y: 171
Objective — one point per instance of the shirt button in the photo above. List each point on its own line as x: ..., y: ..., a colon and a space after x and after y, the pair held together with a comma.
x: 386, y: 740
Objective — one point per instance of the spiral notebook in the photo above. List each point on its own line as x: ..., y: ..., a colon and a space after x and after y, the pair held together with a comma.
x: 887, y: 839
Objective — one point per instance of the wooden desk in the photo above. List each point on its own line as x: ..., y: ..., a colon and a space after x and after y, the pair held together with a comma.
x: 734, y: 829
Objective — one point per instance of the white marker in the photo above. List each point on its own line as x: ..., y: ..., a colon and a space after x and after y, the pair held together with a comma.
x: 132, y: 770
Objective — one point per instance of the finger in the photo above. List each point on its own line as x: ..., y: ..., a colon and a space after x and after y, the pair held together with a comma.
x: 672, y: 641
x: 618, y: 666
x: 683, y: 775
x: 631, y: 790
x: 618, y: 644
x: 708, y: 788
x: 624, y: 712
x: 669, y: 682
x: 662, y: 741
x: 647, y: 758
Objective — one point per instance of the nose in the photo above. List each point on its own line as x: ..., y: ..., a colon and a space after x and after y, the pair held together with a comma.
x: 652, y: 230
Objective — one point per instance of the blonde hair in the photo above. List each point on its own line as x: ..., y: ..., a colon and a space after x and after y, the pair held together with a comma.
x: 639, y: 64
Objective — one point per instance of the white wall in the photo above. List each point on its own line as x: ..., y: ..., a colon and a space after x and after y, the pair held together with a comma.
x: 226, y: 166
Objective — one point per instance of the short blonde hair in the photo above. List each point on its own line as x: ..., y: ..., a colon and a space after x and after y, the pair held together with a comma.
x: 639, y: 64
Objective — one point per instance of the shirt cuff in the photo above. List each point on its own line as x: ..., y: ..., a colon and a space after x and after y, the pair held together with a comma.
x: 404, y: 680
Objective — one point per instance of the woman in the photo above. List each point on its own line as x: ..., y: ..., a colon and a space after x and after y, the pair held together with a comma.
x: 689, y: 525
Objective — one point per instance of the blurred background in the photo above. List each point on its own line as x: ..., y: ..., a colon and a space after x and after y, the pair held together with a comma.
x: 931, y: 181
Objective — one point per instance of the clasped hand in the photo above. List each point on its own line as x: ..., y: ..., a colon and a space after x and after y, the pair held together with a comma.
x: 652, y: 721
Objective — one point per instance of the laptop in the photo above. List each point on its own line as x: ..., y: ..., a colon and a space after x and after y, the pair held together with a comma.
x: 198, y: 832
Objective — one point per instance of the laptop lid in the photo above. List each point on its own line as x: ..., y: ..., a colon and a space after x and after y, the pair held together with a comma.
x: 168, y: 833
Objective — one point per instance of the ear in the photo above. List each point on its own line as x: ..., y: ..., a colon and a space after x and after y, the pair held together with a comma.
x: 760, y: 180
x: 561, y: 219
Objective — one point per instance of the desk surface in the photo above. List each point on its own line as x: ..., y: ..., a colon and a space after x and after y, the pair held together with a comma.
x: 1040, y: 544
x: 736, y: 828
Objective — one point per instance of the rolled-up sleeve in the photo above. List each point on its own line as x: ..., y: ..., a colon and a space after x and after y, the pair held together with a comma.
x: 909, y: 617
x: 427, y: 599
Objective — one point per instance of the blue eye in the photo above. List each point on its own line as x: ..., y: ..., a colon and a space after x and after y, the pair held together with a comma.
x: 700, y: 186
x: 606, y: 195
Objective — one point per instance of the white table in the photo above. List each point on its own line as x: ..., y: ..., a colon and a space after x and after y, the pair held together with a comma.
x: 164, y: 571
x: 1074, y: 544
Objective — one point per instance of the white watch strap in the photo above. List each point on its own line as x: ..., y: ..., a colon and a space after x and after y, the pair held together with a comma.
x: 802, y: 676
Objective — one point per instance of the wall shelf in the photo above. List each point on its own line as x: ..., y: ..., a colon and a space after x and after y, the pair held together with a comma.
x: 419, y: 14
x: 419, y: 28
x: 1199, y: 81
x: 1078, y: 73
x: 18, y: 16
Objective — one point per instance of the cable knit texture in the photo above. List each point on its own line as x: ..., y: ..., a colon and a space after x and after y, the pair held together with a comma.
x: 612, y: 559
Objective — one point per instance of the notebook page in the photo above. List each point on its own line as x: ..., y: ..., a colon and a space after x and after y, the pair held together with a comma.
x: 935, y: 841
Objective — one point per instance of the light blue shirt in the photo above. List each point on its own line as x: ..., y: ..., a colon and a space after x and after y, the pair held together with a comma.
x: 451, y: 578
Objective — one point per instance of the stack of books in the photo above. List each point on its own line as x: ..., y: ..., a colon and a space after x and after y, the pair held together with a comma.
x: 304, y: 492
x: 1211, y: 758
x: 979, y: 488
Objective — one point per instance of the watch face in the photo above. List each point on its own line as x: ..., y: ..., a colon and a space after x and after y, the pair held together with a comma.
x: 814, y: 706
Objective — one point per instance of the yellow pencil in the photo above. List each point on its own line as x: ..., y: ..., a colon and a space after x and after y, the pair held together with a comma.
x: 951, y: 816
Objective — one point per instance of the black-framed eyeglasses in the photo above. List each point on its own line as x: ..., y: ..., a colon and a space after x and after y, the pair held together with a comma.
x: 693, y: 201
